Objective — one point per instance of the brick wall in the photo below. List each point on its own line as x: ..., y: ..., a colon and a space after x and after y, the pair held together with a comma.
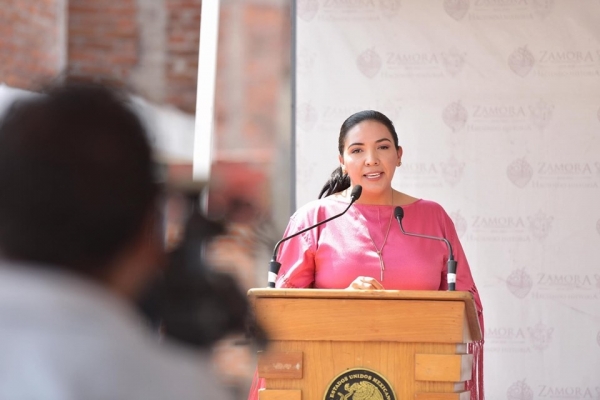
x: 183, y: 39
x: 148, y: 76
x: 150, y: 46
x: 31, y: 41
x: 102, y: 39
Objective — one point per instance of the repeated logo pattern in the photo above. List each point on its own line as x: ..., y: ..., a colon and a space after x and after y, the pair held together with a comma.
x: 369, y: 63
x: 554, y: 391
x: 543, y: 8
x: 452, y: 171
x: 306, y: 117
x: 555, y: 174
x: 540, y: 336
x: 460, y: 223
x: 499, y: 10
x: 519, y: 390
x: 421, y: 175
x: 524, y: 132
x: 423, y: 64
x: 389, y: 8
x: 349, y: 10
x: 453, y: 61
x: 519, y: 172
x: 457, y: 9
x: 455, y: 116
x: 541, y: 113
x: 519, y: 283
x: 521, y: 61
x: 307, y: 9
x: 305, y: 60
x: 540, y: 225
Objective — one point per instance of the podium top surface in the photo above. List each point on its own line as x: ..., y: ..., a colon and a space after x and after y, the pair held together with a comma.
x: 363, y: 294
x: 391, y: 295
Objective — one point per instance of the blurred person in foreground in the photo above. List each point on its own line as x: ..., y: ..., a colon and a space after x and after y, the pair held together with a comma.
x: 79, y: 241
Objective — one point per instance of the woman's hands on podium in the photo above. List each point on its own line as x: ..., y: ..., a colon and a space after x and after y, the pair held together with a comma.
x: 365, y: 283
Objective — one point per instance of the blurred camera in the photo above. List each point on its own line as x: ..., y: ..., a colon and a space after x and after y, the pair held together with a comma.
x: 190, y: 302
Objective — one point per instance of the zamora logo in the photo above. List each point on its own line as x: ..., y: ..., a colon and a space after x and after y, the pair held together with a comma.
x: 348, y: 3
x: 567, y: 57
x: 569, y: 168
x: 568, y: 280
x: 457, y: 9
x: 499, y: 112
x: 570, y: 392
x: 495, y: 3
x: 411, y: 58
x: 498, y: 222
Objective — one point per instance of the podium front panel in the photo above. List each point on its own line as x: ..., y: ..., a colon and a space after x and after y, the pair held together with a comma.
x: 404, y: 345
x: 363, y: 320
x: 396, y: 361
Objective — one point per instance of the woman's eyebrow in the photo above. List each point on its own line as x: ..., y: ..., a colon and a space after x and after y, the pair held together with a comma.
x: 355, y: 144
x: 377, y: 141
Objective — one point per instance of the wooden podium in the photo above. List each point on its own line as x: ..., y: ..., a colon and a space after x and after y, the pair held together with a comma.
x: 371, y: 345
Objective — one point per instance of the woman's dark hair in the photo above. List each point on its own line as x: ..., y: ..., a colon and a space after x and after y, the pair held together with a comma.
x: 339, y: 181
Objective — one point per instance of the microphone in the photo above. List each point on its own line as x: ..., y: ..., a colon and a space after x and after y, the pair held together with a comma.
x: 274, y: 265
x: 451, y: 263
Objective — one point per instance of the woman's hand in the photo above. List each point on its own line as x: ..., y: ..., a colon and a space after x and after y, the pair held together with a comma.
x: 365, y: 283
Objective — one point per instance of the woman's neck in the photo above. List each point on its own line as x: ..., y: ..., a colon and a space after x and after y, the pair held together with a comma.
x: 392, y: 197
x: 385, y: 198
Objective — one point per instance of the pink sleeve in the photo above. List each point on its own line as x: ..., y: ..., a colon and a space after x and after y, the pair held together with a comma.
x: 296, y: 256
x: 257, y: 384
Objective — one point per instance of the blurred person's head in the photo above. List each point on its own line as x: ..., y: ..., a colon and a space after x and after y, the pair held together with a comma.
x: 77, y: 189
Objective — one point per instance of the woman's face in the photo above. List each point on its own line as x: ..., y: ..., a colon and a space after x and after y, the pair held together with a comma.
x: 370, y: 158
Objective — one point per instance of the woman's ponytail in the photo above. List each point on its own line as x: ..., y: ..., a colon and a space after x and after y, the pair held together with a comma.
x: 336, y: 183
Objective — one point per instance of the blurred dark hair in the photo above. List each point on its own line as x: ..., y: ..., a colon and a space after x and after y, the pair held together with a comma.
x: 339, y: 181
x: 77, y: 177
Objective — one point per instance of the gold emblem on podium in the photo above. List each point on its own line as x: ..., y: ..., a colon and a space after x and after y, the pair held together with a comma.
x: 359, y: 384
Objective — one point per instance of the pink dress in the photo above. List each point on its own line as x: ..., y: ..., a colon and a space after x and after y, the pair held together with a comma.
x: 332, y: 255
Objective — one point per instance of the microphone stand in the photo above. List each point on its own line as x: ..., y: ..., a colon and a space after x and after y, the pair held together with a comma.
x: 450, y: 264
x: 275, y: 265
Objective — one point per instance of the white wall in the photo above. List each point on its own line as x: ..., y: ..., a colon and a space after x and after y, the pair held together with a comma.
x: 497, y: 104
x: 170, y: 130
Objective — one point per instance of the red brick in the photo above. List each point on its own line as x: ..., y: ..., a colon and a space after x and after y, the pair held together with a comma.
x: 29, y: 44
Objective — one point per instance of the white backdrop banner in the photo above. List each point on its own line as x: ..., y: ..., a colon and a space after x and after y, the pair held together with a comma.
x: 497, y: 105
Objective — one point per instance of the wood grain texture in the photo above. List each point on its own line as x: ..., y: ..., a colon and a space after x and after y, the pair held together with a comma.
x: 323, y: 361
x: 357, y: 319
x: 264, y: 394
x: 472, y: 321
x: 443, y: 396
x: 280, y: 364
x: 382, y: 331
x: 443, y: 367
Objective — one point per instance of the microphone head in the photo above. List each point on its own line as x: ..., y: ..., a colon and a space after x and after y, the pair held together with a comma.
x: 399, y: 213
x: 356, y: 192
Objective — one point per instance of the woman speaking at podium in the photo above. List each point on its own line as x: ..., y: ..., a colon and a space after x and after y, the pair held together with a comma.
x: 365, y: 249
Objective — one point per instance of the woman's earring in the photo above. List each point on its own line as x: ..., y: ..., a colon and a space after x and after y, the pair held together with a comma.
x: 399, y: 163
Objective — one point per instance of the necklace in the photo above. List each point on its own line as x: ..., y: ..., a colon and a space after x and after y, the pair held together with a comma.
x: 380, y: 250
